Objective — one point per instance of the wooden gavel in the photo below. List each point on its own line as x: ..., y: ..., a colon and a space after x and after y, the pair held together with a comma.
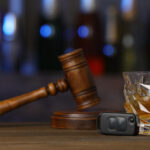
x: 78, y: 79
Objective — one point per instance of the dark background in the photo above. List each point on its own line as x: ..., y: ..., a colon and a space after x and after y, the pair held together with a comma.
x: 27, y: 74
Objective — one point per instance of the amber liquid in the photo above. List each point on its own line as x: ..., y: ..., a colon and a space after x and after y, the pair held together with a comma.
x: 137, y: 96
x: 139, y: 105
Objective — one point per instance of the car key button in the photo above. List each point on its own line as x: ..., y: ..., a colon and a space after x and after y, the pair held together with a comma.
x: 112, y: 123
x: 122, y: 124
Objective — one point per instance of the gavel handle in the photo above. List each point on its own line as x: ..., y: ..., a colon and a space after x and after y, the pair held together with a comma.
x: 15, y: 102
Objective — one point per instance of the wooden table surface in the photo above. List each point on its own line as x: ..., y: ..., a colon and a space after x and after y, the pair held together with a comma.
x: 40, y: 136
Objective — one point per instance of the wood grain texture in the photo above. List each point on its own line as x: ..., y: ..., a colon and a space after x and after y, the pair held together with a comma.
x: 109, y: 88
x: 39, y: 136
x: 79, y: 79
x: 12, y: 103
x: 15, y: 102
x: 74, y: 120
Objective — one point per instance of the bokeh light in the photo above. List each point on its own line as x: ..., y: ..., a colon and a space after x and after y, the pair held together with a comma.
x: 83, y: 31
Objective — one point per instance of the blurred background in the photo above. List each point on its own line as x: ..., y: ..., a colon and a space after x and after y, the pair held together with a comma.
x: 114, y: 34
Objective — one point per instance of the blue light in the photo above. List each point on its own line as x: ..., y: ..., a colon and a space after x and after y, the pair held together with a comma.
x: 70, y: 49
x: 46, y: 31
x: 83, y: 31
x: 16, y: 6
x: 88, y: 6
x: 9, y: 25
x: 126, y: 5
x: 28, y: 68
x: 48, y: 3
x: 108, y: 50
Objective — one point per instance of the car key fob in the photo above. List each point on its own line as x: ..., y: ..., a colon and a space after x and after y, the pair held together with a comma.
x: 117, y: 123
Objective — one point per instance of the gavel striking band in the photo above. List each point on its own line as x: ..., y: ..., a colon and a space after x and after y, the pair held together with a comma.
x: 78, y: 78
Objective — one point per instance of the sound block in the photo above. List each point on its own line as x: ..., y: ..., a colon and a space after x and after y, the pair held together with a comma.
x: 74, y: 120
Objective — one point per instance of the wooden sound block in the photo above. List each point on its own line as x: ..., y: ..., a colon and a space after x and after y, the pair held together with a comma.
x: 74, y: 120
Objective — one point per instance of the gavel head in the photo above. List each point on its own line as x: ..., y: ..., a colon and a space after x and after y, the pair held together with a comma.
x: 79, y: 79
